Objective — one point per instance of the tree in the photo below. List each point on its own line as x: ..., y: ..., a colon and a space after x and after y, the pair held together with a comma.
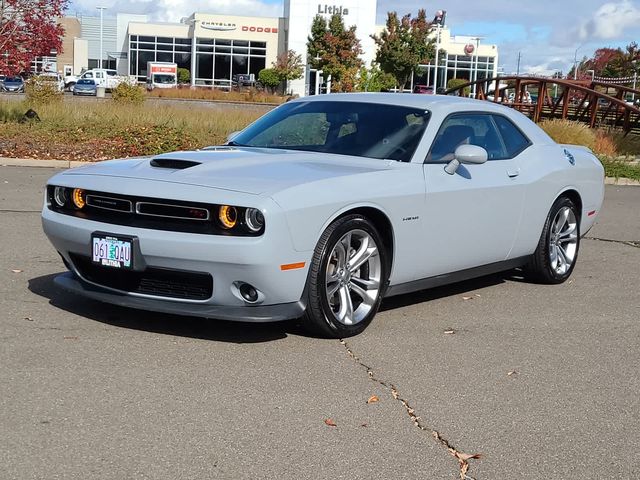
x: 288, y: 66
x: 336, y: 51
x: 403, y: 45
x: 28, y: 29
x: 269, y: 78
x: 374, y: 80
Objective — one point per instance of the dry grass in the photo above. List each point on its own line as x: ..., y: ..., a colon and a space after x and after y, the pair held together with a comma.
x: 216, y: 94
x: 99, y: 130
x: 573, y: 133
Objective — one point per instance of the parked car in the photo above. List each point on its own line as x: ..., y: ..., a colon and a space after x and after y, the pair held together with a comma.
x: 13, y: 85
x: 53, y: 78
x: 85, y: 86
x: 423, y: 89
x: 109, y: 79
x: 319, y: 210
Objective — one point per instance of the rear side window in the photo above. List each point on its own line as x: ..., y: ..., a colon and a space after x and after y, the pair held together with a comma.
x: 514, y: 140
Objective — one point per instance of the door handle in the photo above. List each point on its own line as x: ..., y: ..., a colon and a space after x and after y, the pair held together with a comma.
x: 513, y: 173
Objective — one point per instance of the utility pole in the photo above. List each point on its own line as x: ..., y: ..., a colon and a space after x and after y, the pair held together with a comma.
x: 518, y: 69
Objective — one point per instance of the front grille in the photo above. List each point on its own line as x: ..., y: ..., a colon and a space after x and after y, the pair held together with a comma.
x: 166, y: 210
x: 160, y: 282
x: 109, y: 203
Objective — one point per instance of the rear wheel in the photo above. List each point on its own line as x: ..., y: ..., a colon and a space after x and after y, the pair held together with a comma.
x: 557, y: 251
x: 347, y: 278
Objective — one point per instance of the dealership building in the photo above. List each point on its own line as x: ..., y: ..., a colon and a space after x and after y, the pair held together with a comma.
x: 215, y: 48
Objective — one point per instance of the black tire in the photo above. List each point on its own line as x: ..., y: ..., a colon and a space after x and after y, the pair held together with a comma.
x: 540, y: 268
x: 319, y: 318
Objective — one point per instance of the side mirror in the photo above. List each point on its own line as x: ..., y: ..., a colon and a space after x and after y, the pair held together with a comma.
x: 469, y: 154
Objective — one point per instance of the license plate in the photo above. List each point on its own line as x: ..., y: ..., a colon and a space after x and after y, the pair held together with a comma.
x: 110, y: 251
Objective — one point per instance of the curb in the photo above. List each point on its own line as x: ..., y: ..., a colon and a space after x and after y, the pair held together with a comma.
x: 31, y: 162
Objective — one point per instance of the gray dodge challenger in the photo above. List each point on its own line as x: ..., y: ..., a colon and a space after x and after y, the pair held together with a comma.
x: 323, y: 207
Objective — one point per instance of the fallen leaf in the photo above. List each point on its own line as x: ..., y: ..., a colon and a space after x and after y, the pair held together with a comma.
x: 512, y: 372
x: 330, y: 422
x: 364, y: 425
x: 451, y: 331
x: 467, y: 298
x: 467, y: 456
x: 373, y: 399
x: 29, y: 319
x: 16, y: 270
x: 478, y: 295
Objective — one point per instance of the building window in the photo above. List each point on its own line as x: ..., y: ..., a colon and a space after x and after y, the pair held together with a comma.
x: 157, y: 49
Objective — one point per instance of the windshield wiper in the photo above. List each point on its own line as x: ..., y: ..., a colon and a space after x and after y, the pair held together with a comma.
x: 231, y: 143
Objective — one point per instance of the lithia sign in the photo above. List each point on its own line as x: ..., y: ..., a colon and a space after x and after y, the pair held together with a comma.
x: 332, y: 9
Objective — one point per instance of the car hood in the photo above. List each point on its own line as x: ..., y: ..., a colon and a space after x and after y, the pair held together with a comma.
x: 248, y: 170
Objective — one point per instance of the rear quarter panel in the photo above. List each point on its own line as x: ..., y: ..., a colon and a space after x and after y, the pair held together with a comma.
x: 548, y: 173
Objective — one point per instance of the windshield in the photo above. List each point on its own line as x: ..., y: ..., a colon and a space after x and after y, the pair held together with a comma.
x: 165, y: 79
x: 347, y: 128
x: 86, y: 81
x: 13, y: 80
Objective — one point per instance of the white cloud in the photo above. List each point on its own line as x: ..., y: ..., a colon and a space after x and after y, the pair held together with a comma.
x: 611, y: 21
x: 174, y: 10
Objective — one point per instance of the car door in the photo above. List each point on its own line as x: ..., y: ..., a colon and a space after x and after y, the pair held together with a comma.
x: 470, y: 218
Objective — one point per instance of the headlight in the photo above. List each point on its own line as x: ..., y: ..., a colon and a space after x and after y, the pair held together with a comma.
x: 254, y: 219
x: 60, y: 196
x: 79, y: 198
x: 228, y: 216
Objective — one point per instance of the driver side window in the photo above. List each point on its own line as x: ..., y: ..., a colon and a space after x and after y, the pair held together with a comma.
x: 466, y: 129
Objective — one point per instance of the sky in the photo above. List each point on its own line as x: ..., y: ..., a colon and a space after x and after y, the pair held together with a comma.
x: 548, y: 34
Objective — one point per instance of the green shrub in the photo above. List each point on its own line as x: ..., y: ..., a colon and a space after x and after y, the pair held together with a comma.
x: 457, y: 82
x: 128, y: 93
x: 184, y: 76
x: 42, y: 91
x: 269, y: 78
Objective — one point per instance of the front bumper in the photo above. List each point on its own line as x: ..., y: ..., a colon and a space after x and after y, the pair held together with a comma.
x: 229, y: 260
x: 255, y: 314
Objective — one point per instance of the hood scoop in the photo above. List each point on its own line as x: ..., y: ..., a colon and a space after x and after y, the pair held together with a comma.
x: 173, y: 164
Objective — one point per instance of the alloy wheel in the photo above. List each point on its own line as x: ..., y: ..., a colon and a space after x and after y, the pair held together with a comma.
x: 353, y: 277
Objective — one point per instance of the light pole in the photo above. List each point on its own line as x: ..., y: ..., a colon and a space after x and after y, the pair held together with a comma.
x: 575, y: 62
x: 435, y: 66
x: 102, y: 9
x: 475, y: 65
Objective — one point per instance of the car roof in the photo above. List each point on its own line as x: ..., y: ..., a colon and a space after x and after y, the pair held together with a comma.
x: 440, y: 105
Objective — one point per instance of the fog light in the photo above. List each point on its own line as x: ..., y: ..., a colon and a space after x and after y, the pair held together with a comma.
x: 249, y: 293
x: 78, y: 198
x: 60, y: 196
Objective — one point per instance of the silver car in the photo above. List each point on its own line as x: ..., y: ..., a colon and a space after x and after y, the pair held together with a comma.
x: 323, y: 207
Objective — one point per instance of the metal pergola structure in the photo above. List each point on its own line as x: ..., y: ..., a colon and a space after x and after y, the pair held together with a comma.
x: 582, y: 101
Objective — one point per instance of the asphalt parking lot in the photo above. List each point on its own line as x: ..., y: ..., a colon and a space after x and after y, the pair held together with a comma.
x: 542, y: 381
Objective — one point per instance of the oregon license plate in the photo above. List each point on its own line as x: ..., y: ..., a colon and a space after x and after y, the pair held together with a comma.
x: 110, y: 251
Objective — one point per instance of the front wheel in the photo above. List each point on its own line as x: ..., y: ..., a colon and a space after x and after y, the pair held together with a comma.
x: 557, y: 251
x: 347, y: 278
